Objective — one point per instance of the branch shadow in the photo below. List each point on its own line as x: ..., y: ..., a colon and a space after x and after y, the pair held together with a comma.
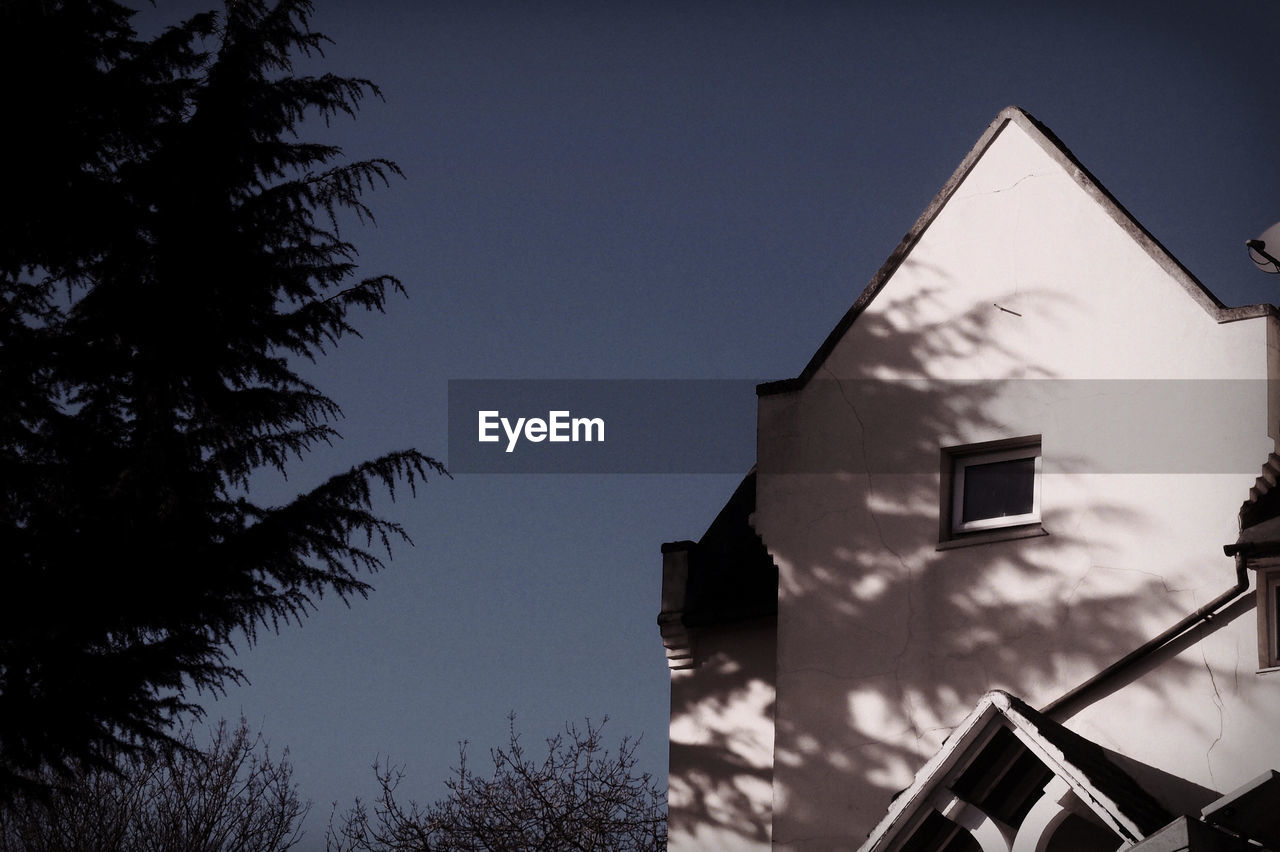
x: 887, y: 634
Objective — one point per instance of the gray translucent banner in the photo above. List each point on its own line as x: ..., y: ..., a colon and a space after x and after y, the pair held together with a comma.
x: 601, y: 426
x: 856, y: 425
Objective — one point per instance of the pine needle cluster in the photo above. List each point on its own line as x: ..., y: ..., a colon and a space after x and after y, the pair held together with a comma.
x: 171, y: 254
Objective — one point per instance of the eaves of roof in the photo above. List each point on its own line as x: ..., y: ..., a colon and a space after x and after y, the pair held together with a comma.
x: 1120, y: 801
x: 732, y: 578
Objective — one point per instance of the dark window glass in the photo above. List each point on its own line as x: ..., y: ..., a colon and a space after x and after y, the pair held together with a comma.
x: 999, y: 489
x: 1275, y: 626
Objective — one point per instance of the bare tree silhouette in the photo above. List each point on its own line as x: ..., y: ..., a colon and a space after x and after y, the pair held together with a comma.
x: 580, y: 796
x: 230, y: 795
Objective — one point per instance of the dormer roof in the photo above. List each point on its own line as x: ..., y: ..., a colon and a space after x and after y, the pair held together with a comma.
x: 997, y: 762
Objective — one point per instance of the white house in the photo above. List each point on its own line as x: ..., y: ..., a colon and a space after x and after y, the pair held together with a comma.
x: 1005, y: 575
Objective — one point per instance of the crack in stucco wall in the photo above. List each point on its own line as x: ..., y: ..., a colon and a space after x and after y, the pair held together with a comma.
x: 1008, y: 188
x: 1217, y: 700
x: 904, y: 697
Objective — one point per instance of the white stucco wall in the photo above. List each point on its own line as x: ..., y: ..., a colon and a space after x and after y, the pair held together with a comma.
x: 1154, y: 421
x: 721, y: 782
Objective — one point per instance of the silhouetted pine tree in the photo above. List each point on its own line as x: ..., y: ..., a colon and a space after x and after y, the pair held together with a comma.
x: 169, y: 246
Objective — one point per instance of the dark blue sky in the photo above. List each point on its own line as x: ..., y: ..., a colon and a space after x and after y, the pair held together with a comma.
x: 675, y: 190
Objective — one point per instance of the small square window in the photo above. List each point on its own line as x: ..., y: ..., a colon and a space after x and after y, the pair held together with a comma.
x: 1000, y: 489
x: 990, y: 487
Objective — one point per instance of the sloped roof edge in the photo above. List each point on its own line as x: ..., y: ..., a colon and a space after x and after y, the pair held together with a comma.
x: 1060, y: 153
x: 1121, y: 803
x: 731, y: 576
x: 943, y: 760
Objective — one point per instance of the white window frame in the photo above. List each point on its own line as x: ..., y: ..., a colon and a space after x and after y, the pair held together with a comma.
x: 956, y: 460
x: 957, y: 491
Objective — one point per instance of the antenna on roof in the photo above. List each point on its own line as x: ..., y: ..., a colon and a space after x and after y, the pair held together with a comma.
x: 1265, y: 250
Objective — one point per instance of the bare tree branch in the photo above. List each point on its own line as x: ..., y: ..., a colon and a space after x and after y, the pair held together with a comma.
x: 580, y: 796
x: 228, y: 797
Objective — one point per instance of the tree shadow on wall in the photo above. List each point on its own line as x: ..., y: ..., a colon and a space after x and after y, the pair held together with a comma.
x: 886, y: 638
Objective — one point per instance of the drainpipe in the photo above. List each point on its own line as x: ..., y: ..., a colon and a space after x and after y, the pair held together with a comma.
x: 1063, y: 708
